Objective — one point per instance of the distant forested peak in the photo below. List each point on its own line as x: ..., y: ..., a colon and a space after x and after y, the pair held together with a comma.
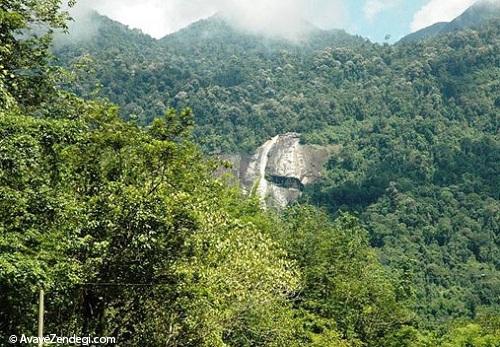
x: 478, y: 14
x: 91, y: 27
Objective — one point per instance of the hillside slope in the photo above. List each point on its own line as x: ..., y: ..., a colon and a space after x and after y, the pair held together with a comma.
x: 207, y: 60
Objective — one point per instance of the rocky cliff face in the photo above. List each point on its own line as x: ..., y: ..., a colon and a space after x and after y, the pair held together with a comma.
x: 280, y: 169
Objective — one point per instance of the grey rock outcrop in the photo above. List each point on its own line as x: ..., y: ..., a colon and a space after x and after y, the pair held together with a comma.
x: 280, y: 169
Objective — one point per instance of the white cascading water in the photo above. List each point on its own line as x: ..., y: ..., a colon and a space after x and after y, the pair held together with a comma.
x: 262, y: 164
x: 281, y: 157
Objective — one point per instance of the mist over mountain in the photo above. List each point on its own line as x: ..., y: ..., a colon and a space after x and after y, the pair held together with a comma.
x: 479, y: 13
x: 278, y: 18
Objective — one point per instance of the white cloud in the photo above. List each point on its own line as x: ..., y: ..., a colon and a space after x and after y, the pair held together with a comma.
x: 439, y: 11
x: 279, y: 17
x: 155, y: 17
x: 373, y: 8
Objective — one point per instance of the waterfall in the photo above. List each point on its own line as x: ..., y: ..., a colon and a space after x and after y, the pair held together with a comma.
x: 262, y: 164
x: 288, y: 166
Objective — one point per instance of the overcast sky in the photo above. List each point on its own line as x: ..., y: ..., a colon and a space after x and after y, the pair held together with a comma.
x: 370, y: 18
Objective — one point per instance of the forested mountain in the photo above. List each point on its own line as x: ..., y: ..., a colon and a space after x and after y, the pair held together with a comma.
x: 124, y: 223
x: 478, y: 14
x: 418, y: 124
x: 419, y: 137
x: 235, y: 79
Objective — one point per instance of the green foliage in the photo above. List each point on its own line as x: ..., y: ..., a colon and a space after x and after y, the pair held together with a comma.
x: 25, y: 35
x: 97, y: 200
x: 345, y: 287
x: 483, y: 332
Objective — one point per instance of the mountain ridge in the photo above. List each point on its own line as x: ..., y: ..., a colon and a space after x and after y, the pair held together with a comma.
x: 477, y: 14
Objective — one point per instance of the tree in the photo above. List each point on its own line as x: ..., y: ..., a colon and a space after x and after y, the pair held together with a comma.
x: 345, y: 288
x: 26, y: 28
